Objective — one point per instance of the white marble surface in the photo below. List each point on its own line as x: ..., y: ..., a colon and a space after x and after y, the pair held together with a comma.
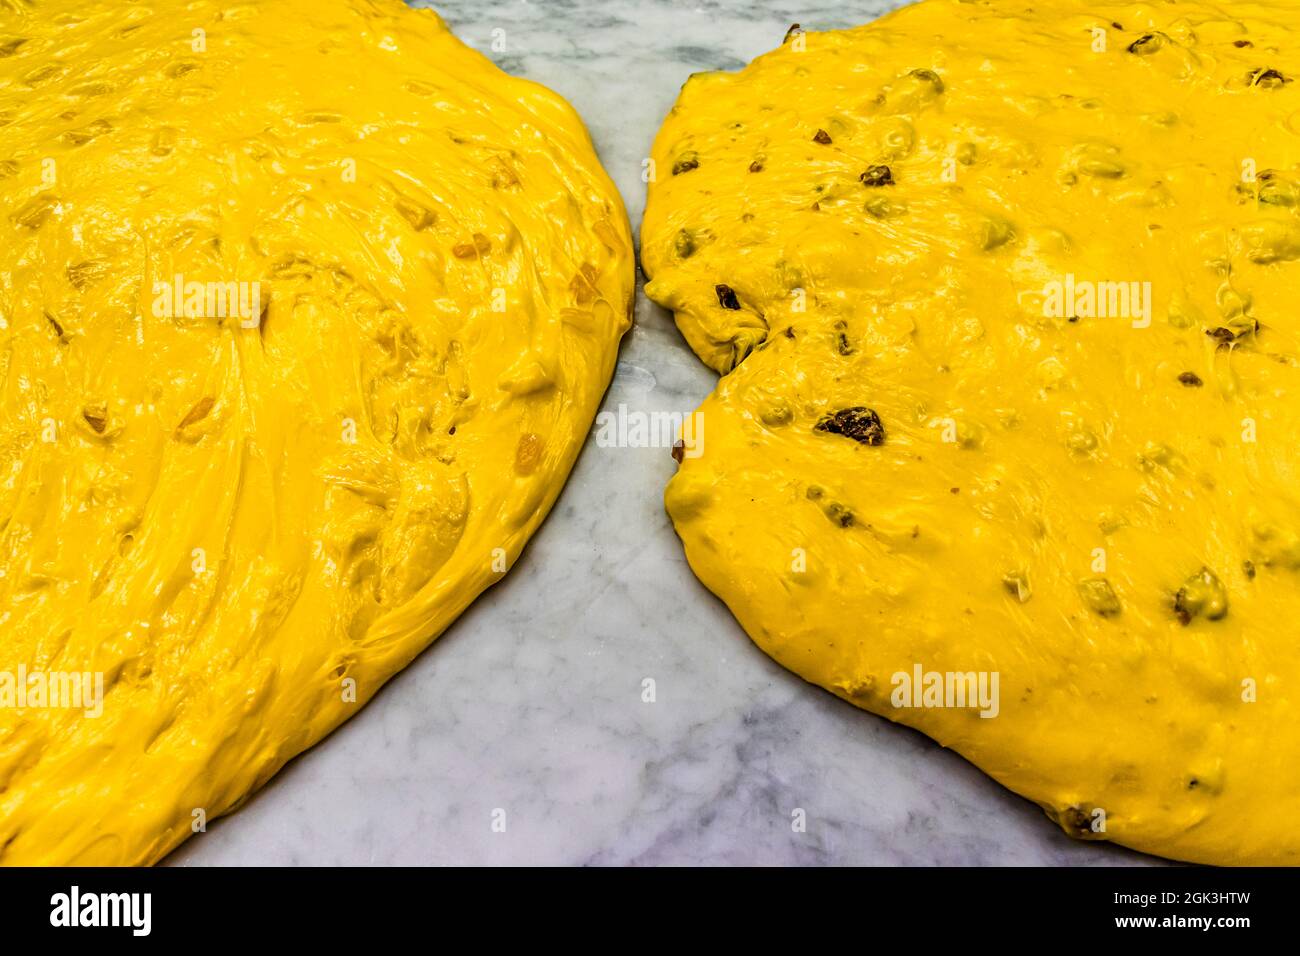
x: 532, y: 702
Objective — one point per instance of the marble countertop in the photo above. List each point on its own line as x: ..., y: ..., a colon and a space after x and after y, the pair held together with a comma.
x: 532, y: 702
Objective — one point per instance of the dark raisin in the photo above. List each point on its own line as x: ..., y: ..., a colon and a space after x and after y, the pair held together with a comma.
x: 54, y: 324
x: 793, y: 32
x: 1077, y: 821
x: 789, y: 331
x: 679, y: 451
x: 727, y: 297
x: 861, y: 424
x: 1226, y: 336
x: 1242, y: 44
x: 755, y: 167
x: 822, y: 137
x: 1191, y: 380
x: 1249, y: 568
x: 877, y: 176
x: 839, y: 514
x: 685, y: 163
x: 1147, y: 44
x: 1268, y: 79
x: 842, y: 344
x: 1117, y: 25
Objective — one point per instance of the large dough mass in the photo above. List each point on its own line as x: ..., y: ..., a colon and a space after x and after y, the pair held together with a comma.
x: 944, y: 443
x: 247, y: 519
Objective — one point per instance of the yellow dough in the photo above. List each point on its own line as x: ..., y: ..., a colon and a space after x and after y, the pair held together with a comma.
x: 949, y: 447
x: 247, y: 522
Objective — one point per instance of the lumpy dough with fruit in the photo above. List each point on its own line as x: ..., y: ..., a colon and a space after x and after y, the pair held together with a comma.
x: 1003, y: 298
x: 306, y: 311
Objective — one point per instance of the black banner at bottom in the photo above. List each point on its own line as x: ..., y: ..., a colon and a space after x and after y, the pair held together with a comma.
x: 1154, y: 905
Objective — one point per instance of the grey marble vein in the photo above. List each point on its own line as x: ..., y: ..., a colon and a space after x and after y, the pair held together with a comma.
x: 532, y: 702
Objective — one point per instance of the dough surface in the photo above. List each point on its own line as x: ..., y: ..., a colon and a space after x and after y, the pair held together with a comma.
x: 245, y: 522
x: 934, y: 451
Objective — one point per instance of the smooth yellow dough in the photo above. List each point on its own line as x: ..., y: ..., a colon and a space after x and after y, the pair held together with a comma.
x: 248, y: 526
x: 1103, y: 513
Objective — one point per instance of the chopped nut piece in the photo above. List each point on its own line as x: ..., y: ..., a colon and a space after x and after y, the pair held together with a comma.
x: 1016, y: 584
x: 197, y: 413
x: 1203, y: 594
x: 96, y: 416
x: 1100, y: 597
x: 480, y: 247
x: 930, y: 77
x: 419, y: 216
